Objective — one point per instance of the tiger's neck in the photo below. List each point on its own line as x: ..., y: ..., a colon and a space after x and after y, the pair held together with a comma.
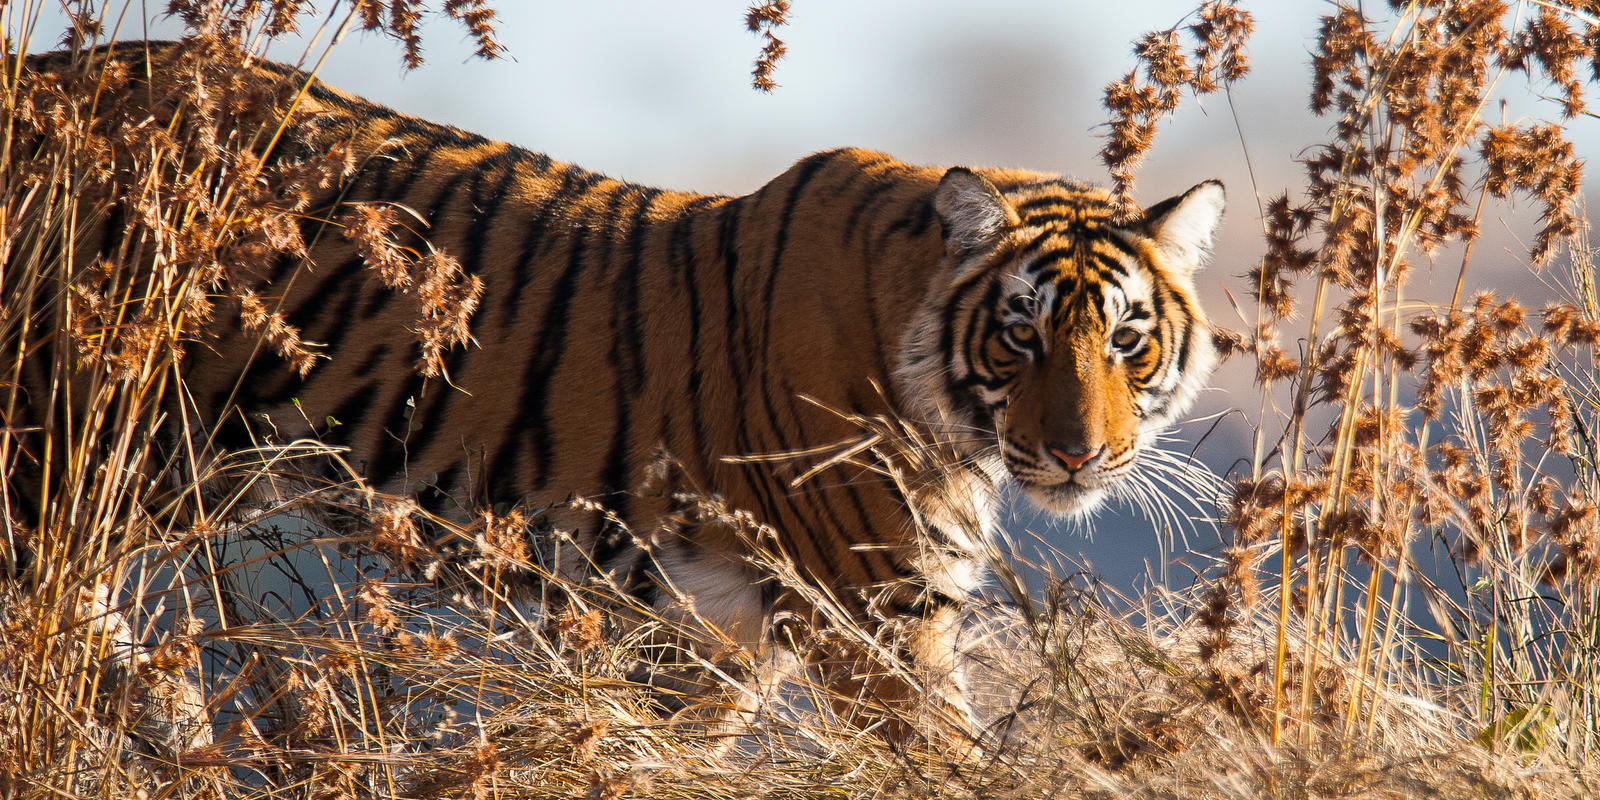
x: 838, y: 256
x: 838, y: 261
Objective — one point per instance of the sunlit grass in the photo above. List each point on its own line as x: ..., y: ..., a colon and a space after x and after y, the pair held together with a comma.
x: 299, y: 634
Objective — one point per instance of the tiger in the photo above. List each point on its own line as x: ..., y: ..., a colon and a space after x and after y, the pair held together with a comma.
x: 1023, y: 322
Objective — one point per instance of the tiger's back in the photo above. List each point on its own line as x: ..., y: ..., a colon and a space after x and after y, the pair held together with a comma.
x: 619, y: 324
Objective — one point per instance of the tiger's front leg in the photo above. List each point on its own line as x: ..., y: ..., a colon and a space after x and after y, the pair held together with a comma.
x: 902, y: 681
x: 905, y: 681
x: 715, y: 693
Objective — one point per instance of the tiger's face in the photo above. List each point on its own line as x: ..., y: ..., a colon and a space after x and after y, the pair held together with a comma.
x: 1065, y: 339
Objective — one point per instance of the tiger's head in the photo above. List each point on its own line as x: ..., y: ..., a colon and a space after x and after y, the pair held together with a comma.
x: 1062, y: 338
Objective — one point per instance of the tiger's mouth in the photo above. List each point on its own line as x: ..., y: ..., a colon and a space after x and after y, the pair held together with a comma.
x: 1057, y: 490
x: 1071, y: 496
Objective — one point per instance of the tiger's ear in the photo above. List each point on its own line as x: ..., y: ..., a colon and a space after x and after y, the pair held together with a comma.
x: 972, y: 211
x: 1184, y: 226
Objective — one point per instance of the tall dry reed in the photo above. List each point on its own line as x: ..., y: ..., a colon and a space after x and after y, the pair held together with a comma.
x: 1392, y: 423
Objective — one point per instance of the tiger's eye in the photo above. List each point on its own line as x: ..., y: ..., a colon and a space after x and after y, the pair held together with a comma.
x: 1022, y: 332
x: 1126, y: 338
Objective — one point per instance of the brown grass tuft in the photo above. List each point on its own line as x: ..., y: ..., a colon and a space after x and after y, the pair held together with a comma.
x: 764, y: 19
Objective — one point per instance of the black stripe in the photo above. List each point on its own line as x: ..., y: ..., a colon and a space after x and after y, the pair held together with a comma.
x: 627, y: 351
x: 416, y: 161
x: 1071, y: 221
x: 780, y: 240
x: 326, y: 320
x: 869, y: 198
x: 439, y: 135
x: 959, y: 393
x: 979, y: 327
x: 614, y: 197
x: 532, y: 418
x: 779, y: 510
x: 1036, y: 263
x: 914, y: 222
x: 807, y: 171
x: 372, y: 361
x: 1117, y: 242
x: 1158, y: 297
x: 869, y: 294
x: 734, y: 355
x: 1105, y: 265
x: 1043, y: 201
x: 907, y: 227
x: 1036, y: 242
x: 285, y: 264
x: 315, y: 320
x: 1182, y: 361
x: 231, y: 423
x: 609, y: 541
x: 440, y: 496
x: 835, y: 526
x: 574, y: 183
x: 681, y: 258
x: 628, y: 330
x: 948, y: 315
x: 973, y: 381
x: 488, y: 200
x: 1094, y: 295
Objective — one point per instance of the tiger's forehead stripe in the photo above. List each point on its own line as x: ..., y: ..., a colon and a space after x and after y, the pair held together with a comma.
x: 1063, y: 203
x: 1067, y: 231
x: 1056, y: 255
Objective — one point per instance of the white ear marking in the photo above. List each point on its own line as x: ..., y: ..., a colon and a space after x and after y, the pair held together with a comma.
x: 1185, y: 226
x: 971, y: 209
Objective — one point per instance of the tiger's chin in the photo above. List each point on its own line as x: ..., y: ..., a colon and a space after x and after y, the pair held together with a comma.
x: 1068, y: 498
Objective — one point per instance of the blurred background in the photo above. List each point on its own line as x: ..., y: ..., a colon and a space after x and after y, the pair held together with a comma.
x: 659, y: 93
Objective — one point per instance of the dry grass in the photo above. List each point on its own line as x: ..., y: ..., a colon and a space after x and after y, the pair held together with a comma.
x: 323, y: 640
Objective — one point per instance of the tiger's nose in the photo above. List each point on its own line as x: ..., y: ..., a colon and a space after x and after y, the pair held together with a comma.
x: 1074, y: 457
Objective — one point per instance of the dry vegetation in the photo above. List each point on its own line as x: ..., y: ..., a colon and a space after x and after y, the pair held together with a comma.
x: 160, y: 640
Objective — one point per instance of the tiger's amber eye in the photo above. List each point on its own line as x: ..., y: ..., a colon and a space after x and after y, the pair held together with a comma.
x: 1022, y: 332
x: 1126, y: 338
